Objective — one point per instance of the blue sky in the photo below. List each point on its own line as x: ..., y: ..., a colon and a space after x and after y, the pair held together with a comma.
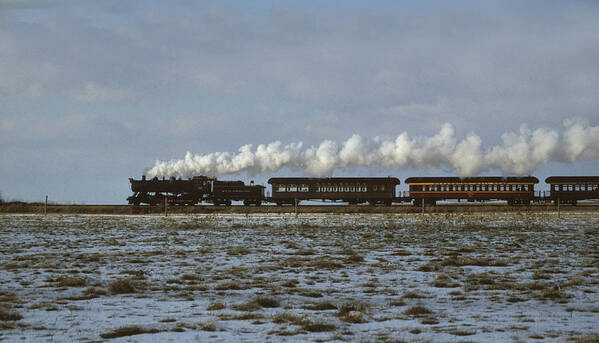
x: 92, y: 93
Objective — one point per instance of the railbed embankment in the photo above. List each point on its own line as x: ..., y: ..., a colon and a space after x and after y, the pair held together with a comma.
x: 38, y: 208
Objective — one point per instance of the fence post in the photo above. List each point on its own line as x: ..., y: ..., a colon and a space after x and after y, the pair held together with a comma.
x: 46, y: 206
x: 559, y: 215
x: 165, y: 206
x: 295, y: 206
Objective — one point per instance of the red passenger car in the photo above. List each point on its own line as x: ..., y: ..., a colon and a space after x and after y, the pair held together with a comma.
x: 515, y: 190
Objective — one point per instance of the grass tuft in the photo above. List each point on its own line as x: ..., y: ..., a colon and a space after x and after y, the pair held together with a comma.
x: 417, y: 311
x: 7, y: 316
x: 122, y: 286
x: 127, y: 331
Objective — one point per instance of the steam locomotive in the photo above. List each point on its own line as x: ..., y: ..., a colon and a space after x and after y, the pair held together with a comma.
x: 360, y: 190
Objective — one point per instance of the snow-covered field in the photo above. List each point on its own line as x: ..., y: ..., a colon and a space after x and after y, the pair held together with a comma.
x: 389, y: 278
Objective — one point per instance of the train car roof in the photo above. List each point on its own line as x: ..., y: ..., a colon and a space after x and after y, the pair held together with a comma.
x: 491, y: 179
x: 569, y: 179
x: 393, y: 180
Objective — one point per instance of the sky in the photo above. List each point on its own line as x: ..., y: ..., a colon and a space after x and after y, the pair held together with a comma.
x: 93, y: 93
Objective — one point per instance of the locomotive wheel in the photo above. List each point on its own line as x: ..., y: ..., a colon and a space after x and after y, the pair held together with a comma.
x: 246, y: 203
x: 258, y: 202
x: 228, y: 202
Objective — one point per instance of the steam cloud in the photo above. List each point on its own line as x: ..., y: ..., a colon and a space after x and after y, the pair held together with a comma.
x: 519, y: 154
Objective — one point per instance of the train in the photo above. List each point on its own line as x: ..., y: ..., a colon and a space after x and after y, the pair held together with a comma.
x: 381, y: 191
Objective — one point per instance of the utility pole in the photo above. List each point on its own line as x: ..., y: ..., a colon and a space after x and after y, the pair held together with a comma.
x: 422, y: 205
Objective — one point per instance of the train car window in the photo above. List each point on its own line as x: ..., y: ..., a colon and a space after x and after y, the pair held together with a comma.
x: 374, y: 188
x: 382, y: 187
x: 595, y: 187
x: 281, y: 188
x: 577, y: 188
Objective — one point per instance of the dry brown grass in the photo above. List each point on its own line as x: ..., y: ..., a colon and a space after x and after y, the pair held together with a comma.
x: 312, y: 326
x: 417, y: 311
x: 127, y: 331
x: 122, y: 286
x: 286, y: 317
x: 71, y: 282
x: 320, y: 306
x: 6, y: 316
x: 593, y: 338
x: 352, y: 312
x: 256, y: 304
x: 412, y: 295
x: 215, y: 306
x: 239, y: 250
x: 267, y: 302
x: 231, y: 285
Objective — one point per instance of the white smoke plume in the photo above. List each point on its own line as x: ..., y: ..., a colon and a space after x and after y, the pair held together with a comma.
x: 518, y: 154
